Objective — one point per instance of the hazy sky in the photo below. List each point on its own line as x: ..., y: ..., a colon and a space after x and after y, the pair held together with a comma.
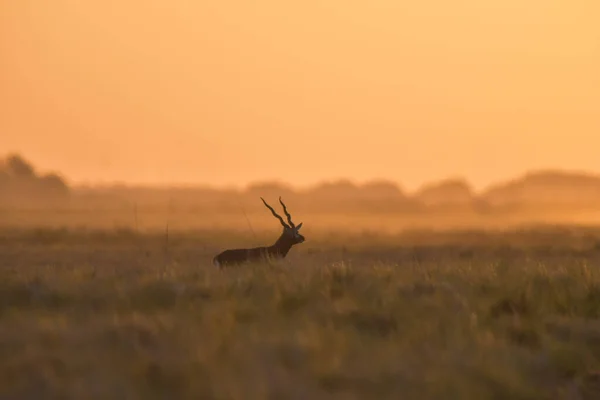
x: 231, y: 91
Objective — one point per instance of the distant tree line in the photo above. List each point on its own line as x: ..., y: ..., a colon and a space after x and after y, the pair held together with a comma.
x: 21, y: 184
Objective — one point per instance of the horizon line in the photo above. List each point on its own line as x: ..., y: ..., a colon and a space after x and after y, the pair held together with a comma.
x: 315, y: 184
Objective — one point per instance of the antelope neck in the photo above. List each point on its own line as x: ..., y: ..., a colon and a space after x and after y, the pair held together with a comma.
x: 282, y: 246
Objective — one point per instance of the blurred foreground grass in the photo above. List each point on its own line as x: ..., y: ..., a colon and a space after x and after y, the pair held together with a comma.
x: 120, y: 315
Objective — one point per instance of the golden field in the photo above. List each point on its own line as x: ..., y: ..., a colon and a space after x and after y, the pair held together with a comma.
x: 421, y: 315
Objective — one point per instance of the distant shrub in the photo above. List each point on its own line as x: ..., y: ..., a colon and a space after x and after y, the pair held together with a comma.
x: 20, y: 184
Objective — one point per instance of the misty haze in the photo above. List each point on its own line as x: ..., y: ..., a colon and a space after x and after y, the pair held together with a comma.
x: 251, y: 200
x: 45, y: 199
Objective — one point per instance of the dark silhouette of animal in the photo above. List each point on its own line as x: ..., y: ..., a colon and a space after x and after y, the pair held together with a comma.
x: 289, y: 237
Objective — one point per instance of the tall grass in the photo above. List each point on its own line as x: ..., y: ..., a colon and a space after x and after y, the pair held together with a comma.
x: 107, y: 315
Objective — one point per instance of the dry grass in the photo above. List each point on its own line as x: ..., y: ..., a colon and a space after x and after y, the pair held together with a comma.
x: 119, y: 315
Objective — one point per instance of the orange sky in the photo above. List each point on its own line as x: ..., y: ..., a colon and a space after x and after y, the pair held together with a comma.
x: 230, y: 91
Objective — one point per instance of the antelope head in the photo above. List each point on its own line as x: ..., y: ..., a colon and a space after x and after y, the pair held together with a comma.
x: 290, y: 230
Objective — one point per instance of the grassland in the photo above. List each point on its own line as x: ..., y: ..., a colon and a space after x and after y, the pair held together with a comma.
x: 125, y: 315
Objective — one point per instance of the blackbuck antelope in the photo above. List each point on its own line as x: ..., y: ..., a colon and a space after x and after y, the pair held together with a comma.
x: 289, y: 237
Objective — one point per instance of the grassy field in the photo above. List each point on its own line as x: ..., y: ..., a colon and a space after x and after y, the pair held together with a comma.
x: 125, y: 315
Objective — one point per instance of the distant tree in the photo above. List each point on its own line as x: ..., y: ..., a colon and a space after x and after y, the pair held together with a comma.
x: 273, y: 188
x: 446, y: 192
x: 53, y: 184
x: 381, y: 189
x: 18, y: 167
x: 340, y: 188
x: 20, y: 184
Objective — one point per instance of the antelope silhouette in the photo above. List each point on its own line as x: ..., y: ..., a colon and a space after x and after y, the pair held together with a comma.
x: 288, y: 238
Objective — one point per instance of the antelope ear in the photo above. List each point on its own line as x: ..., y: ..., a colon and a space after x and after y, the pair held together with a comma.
x: 298, y: 226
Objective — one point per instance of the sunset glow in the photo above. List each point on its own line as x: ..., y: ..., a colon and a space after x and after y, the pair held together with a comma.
x: 233, y: 91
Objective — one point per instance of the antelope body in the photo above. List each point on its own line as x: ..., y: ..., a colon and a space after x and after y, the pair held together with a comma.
x: 289, y: 237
